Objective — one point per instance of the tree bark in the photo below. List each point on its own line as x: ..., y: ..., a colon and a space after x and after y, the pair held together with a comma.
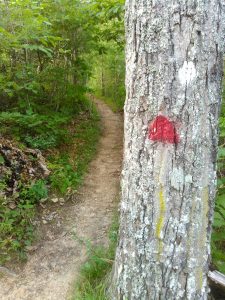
x: 174, y: 58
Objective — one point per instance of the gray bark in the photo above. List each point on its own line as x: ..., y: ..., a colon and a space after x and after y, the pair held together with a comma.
x: 174, y: 57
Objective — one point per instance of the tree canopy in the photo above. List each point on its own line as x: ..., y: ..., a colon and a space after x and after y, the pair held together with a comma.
x: 49, y: 49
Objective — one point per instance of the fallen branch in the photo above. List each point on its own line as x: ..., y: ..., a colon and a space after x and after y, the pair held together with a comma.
x: 217, y: 284
x: 217, y: 277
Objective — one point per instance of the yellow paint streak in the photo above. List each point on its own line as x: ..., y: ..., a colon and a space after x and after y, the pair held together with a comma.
x: 199, y: 276
x: 162, y: 209
x: 160, y: 195
x: 160, y: 220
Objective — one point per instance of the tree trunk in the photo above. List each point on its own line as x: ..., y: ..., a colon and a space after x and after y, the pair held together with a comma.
x: 174, y: 56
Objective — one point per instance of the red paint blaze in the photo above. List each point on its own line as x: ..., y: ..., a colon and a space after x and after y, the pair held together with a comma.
x: 163, y: 130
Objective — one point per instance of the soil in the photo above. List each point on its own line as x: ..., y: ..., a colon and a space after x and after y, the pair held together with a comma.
x: 54, y: 261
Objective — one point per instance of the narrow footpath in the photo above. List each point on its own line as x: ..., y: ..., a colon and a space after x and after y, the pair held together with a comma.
x: 52, y: 268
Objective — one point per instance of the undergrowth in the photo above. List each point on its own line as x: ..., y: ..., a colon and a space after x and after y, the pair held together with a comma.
x: 41, y: 131
x: 17, y: 231
x: 94, y: 274
x: 68, y: 169
x: 16, y: 228
x: 218, y: 235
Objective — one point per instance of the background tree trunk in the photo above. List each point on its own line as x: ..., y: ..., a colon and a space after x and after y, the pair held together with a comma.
x: 174, y: 57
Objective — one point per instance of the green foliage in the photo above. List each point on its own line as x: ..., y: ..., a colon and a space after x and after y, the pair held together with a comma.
x: 16, y: 229
x: 35, y: 130
x: 218, y: 235
x: 95, y: 272
x: 42, y: 51
x: 2, y: 160
x: 36, y: 191
x: 68, y: 173
x: 49, y: 50
x: 108, y: 76
x: 63, y: 175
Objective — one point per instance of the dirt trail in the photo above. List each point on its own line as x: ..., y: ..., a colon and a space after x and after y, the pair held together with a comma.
x: 53, y: 267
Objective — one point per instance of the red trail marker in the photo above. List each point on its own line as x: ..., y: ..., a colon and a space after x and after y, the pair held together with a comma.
x: 163, y: 130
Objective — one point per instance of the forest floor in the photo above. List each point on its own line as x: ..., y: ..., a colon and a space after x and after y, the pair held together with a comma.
x: 53, y: 266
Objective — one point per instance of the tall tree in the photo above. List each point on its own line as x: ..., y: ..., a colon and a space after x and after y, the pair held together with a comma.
x: 174, y: 57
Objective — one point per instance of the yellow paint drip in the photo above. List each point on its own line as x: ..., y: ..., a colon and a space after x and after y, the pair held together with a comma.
x: 199, y: 276
x: 160, y: 196
x: 162, y: 209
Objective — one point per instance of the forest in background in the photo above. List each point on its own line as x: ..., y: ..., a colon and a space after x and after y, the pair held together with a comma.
x: 49, y: 57
x: 53, y: 53
x: 218, y: 235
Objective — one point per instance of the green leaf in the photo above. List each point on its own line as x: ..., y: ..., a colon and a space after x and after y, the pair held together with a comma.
x: 2, y: 160
x: 221, y: 153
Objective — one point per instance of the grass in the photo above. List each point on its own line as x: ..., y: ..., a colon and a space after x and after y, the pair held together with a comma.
x: 95, y: 272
